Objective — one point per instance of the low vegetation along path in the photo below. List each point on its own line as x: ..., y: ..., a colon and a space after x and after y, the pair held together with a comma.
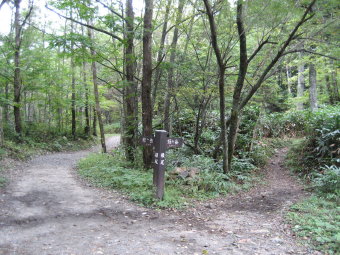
x: 46, y: 209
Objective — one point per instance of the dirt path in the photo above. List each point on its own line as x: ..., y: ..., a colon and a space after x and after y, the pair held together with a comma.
x: 48, y: 211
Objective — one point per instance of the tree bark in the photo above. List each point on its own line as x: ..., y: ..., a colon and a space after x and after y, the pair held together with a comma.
x: 313, y: 99
x: 1, y: 129
x: 334, y: 85
x: 95, y: 89
x: 158, y: 73
x: 243, y: 65
x: 17, y: 77
x: 6, y: 110
x: 170, y: 84
x: 130, y: 91
x: 221, y: 70
x: 87, y: 129
x: 73, y: 89
x: 146, y: 82
x: 289, y: 83
x: 300, y: 85
x: 94, y: 123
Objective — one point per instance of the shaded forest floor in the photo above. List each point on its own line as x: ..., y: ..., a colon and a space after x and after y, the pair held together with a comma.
x: 46, y: 209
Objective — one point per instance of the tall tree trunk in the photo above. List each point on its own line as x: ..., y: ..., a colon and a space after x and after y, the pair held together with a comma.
x: 300, y: 85
x: 158, y: 73
x: 94, y: 123
x: 334, y: 85
x: 170, y: 85
x: 17, y: 78
x: 221, y: 73
x: 243, y: 65
x: 87, y: 129
x: 313, y: 99
x: 146, y: 82
x: 73, y: 88
x: 130, y: 91
x: 6, y: 110
x: 95, y: 89
x: 1, y: 128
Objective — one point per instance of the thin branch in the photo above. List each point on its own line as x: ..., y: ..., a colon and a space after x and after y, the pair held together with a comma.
x: 110, y: 84
x: 259, y: 48
x: 86, y: 25
x: 110, y: 9
x: 3, y: 2
x: 311, y: 52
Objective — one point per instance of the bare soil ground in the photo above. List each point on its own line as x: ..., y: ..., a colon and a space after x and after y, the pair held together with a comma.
x: 46, y: 209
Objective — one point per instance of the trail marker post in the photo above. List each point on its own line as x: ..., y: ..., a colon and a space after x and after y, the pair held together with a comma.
x: 160, y: 142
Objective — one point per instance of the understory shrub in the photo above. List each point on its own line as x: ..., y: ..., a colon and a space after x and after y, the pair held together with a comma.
x: 111, y: 171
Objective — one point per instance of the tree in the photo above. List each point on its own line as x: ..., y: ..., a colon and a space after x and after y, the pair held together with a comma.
x: 146, y: 82
x: 17, y: 77
x: 95, y: 89
x: 240, y: 102
x: 1, y: 128
x: 130, y: 88
x: 313, y: 99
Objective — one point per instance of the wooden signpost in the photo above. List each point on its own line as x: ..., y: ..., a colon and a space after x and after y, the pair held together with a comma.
x: 160, y: 142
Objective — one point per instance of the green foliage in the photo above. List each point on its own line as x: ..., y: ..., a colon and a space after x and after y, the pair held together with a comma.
x: 109, y: 171
x: 321, y: 145
x: 327, y: 183
x: 113, y: 128
x: 25, y: 147
x: 317, y: 220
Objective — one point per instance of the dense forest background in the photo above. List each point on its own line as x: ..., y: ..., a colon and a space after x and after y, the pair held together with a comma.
x: 198, y: 69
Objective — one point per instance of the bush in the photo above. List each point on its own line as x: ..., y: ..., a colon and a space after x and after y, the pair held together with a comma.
x: 113, y: 172
x: 327, y: 182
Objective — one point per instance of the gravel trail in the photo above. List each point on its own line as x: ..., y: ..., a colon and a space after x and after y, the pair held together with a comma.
x: 46, y: 209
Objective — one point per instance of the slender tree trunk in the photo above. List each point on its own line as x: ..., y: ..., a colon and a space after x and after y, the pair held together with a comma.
x: 170, y: 85
x: 221, y: 70
x: 243, y: 65
x: 130, y: 91
x: 17, y: 77
x: 95, y: 90
x: 146, y: 82
x: 1, y: 129
x: 158, y: 73
x: 313, y: 99
x: 6, y: 110
x: 73, y: 89
x: 87, y: 115
x: 94, y: 123
x: 300, y: 85
x: 334, y: 86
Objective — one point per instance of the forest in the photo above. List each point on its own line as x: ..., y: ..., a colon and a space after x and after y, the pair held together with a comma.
x: 237, y: 80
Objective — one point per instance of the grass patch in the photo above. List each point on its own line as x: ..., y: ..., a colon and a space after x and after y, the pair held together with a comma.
x: 105, y: 170
x: 317, y: 220
x: 28, y: 147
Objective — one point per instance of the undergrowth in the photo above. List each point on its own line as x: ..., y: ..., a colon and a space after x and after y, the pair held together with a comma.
x: 317, y: 220
x: 28, y: 147
x: 315, y: 158
x: 208, y: 181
